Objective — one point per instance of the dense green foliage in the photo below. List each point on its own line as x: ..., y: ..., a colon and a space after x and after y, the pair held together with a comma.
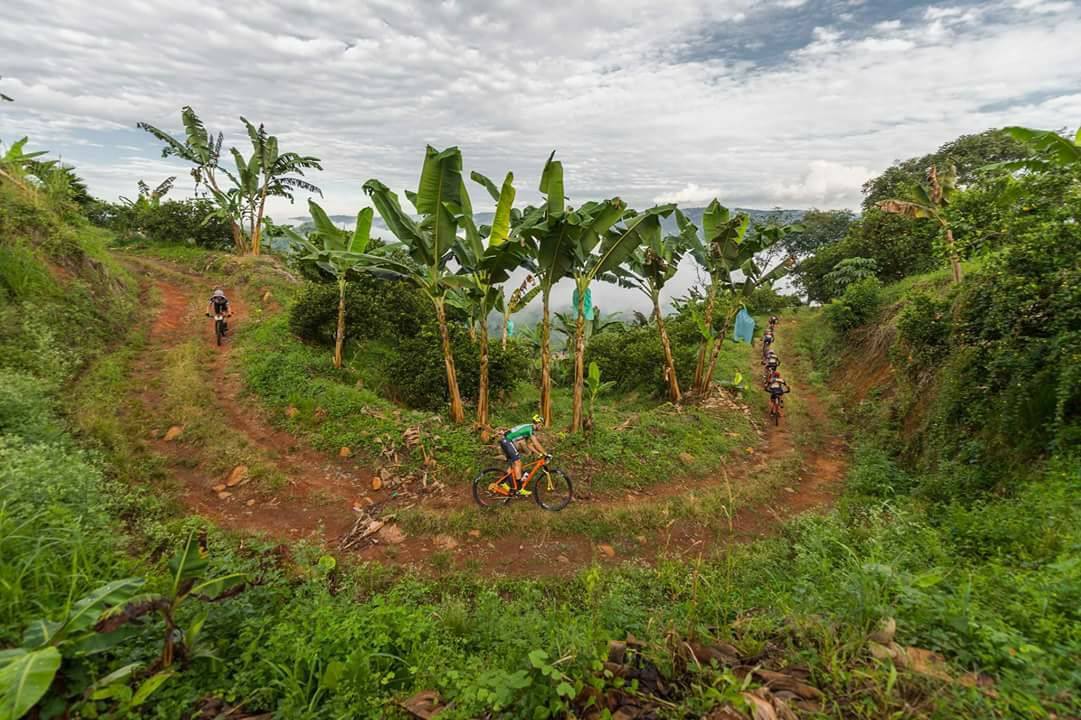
x: 172, y: 222
x: 858, y: 305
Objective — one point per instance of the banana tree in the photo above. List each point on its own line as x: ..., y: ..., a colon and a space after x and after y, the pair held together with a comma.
x: 1050, y: 150
x: 338, y: 253
x: 487, y: 257
x: 598, y: 251
x: 440, y: 199
x: 930, y: 200
x: 148, y: 198
x: 718, y: 252
x: 648, y: 269
x: 274, y: 174
x: 202, y: 149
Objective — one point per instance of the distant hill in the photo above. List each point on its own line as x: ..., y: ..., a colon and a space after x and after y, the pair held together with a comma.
x: 695, y: 214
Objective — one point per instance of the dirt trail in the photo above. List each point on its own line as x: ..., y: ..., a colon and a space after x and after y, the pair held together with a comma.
x: 317, y: 493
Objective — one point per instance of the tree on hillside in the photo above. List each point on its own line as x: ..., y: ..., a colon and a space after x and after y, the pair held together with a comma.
x: 487, y: 258
x: 429, y: 242
x: 599, y: 244
x: 969, y: 154
x: 725, y: 249
x: 929, y: 200
x: 649, y: 269
x: 266, y: 173
x: 148, y: 197
x: 819, y: 228
x: 338, y: 253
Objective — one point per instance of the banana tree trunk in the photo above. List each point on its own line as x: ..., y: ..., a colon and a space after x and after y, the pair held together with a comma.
x: 482, y: 390
x: 717, y: 345
x: 238, y: 237
x: 670, y: 364
x: 705, y: 345
x: 546, y: 364
x: 457, y: 411
x: 955, y: 259
x: 257, y: 225
x: 339, y: 336
x: 579, y: 363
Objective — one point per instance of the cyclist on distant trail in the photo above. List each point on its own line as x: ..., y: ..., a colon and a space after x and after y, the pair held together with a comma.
x: 777, y: 387
x: 508, y: 443
x: 219, y: 305
x: 772, y: 362
x: 767, y: 340
x: 773, y: 320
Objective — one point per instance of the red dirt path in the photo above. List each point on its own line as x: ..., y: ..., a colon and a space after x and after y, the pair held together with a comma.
x: 318, y: 494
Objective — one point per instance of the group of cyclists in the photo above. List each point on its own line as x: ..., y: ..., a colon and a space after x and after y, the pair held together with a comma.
x: 772, y: 381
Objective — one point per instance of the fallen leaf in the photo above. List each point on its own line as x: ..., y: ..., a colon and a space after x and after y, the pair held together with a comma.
x: 173, y: 433
x: 607, y: 550
x: 391, y: 535
x: 377, y: 482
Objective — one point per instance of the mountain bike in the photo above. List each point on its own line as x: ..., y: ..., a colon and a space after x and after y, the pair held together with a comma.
x: 219, y: 326
x: 551, y: 487
x: 776, y: 402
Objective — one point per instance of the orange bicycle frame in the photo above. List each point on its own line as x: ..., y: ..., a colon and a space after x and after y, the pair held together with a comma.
x: 530, y: 470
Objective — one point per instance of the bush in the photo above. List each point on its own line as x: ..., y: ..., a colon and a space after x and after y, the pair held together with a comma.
x: 173, y: 222
x: 416, y: 374
x: 923, y: 330
x: 374, y: 310
x: 857, y: 306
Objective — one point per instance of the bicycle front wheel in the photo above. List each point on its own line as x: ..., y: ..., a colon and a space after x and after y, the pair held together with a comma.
x: 483, y: 491
x: 553, y: 490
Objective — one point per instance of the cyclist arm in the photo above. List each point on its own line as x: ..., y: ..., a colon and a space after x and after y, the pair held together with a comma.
x: 535, y: 446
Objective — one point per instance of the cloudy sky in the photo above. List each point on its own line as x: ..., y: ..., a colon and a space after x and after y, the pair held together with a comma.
x: 762, y: 103
x: 789, y: 103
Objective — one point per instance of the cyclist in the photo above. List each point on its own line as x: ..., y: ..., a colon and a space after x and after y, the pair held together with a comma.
x: 772, y: 362
x: 777, y: 388
x: 508, y: 443
x: 773, y: 320
x: 767, y: 340
x: 219, y: 305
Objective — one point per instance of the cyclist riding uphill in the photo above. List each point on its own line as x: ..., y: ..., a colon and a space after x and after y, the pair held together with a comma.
x: 508, y: 443
x: 219, y: 305
x: 777, y: 387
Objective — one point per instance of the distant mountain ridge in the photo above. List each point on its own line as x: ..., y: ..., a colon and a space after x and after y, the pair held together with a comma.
x: 669, y: 223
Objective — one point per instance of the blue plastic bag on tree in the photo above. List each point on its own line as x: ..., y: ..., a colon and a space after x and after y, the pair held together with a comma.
x: 510, y: 328
x: 744, y: 326
x: 588, y: 305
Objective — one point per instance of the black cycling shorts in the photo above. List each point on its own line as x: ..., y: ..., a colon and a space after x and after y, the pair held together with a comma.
x: 510, y: 450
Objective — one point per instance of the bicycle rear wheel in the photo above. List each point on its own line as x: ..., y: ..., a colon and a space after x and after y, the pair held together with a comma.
x: 553, y: 490
x: 217, y: 331
x: 482, y: 492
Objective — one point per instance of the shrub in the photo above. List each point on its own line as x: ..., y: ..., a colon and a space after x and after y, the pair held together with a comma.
x: 417, y: 376
x: 374, y: 310
x: 857, y: 306
x: 923, y: 330
x: 26, y: 410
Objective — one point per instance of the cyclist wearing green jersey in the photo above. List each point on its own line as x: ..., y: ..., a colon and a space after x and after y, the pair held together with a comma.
x: 508, y: 443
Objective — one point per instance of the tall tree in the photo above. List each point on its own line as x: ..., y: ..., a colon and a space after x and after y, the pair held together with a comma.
x: 338, y: 253
x: 650, y: 267
x: 726, y: 249
x: 930, y: 199
x: 440, y: 199
x: 487, y: 257
x: 276, y: 174
x: 202, y: 149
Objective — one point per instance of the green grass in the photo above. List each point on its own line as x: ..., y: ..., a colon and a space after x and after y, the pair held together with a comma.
x: 632, y: 444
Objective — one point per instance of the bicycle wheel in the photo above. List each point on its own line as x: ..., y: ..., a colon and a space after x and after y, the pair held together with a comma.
x: 553, y: 490
x: 484, y: 496
x: 217, y: 331
x: 775, y: 411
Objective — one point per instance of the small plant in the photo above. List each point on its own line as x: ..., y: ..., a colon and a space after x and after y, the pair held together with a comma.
x: 187, y: 580
x: 595, y: 387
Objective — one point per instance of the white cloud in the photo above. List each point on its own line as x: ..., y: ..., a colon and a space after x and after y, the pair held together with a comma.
x: 887, y: 26
x: 691, y: 194
x: 366, y: 85
x: 827, y: 183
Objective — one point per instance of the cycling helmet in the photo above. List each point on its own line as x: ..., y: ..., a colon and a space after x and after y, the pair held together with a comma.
x: 218, y: 293
x: 538, y: 420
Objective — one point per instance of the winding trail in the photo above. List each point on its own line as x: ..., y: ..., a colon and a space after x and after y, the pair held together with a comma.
x: 314, y: 495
